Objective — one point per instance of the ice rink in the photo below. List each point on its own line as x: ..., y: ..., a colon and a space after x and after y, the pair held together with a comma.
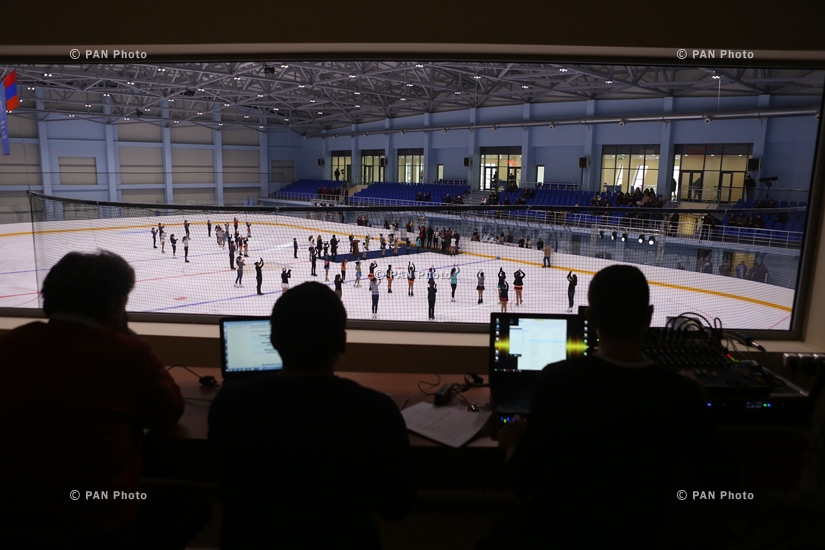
x: 205, y: 285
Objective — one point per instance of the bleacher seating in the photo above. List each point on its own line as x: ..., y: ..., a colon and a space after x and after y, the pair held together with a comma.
x: 309, y: 187
x: 393, y: 191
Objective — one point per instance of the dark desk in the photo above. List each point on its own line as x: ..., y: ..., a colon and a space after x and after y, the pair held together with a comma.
x: 184, y: 452
x: 769, y: 457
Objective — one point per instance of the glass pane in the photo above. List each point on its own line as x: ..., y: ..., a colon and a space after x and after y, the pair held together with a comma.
x: 692, y: 162
x: 608, y: 161
x: 713, y: 162
x: 734, y: 161
x: 607, y: 176
x: 651, y: 178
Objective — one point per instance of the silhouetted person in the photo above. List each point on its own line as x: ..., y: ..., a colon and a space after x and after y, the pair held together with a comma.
x: 327, y: 452
x: 84, y: 388
x: 612, y: 437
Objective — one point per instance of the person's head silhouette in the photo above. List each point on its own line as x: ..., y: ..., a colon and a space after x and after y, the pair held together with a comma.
x: 303, y: 306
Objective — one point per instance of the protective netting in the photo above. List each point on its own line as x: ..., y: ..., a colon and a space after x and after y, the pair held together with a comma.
x: 744, y: 276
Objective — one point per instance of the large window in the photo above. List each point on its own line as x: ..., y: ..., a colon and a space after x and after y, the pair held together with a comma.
x: 341, y: 166
x: 411, y: 165
x: 711, y: 172
x: 629, y: 167
x: 500, y: 166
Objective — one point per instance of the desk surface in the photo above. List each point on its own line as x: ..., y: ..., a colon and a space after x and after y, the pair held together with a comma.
x: 400, y: 387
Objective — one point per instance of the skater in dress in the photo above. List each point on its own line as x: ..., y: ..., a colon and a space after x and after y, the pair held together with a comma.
x: 371, y: 275
x: 503, y: 297
x: 174, y: 242
x: 186, y: 227
x: 390, y: 277
x: 248, y: 229
x: 344, y: 270
x: 480, y: 287
x: 326, y: 268
x: 357, y: 273
x: 502, y: 276
x: 518, y: 285
x: 162, y: 235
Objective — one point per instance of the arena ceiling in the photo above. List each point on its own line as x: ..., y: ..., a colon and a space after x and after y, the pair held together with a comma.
x: 313, y: 97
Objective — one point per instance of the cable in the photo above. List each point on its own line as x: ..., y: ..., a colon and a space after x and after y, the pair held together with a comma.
x: 206, y: 381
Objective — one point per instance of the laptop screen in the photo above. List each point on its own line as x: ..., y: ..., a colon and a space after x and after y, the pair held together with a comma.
x: 528, y: 342
x: 245, y: 347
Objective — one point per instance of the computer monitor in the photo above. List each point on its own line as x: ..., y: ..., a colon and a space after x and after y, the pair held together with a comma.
x: 246, y: 349
x: 528, y: 342
x: 521, y: 345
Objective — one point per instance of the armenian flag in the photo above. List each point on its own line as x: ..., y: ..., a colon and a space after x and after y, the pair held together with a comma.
x: 10, y: 86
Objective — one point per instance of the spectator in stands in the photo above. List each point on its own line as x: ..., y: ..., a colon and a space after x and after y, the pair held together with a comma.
x: 725, y: 268
x: 484, y: 200
x: 506, y: 200
x: 342, y: 456
x: 427, y: 196
x: 521, y: 242
x: 475, y: 236
x: 741, y: 269
x: 85, y: 388
x: 527, y: 242
x: 759, y: 222
x: 750, y: 185
x: 758, y: 272
x: 709, y: 223
x: 673, y: 228
x: 540, y: 244
x: 707, y: 265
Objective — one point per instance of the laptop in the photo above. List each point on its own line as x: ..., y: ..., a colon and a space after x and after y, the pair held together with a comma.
x: 521, y: 345
x: 245, y: 348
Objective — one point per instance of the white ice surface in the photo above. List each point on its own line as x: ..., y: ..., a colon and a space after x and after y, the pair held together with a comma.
x: 205, y: 285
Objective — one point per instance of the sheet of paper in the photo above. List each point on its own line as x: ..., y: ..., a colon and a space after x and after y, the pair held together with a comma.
x: 447, y: 425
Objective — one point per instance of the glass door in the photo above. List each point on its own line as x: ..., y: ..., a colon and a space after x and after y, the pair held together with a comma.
x: 366, y: 175
x: 691, y: 185
x: 723, y: 190
x: 489, y: 178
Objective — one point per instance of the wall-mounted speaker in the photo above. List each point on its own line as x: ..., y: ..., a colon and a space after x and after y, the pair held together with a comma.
x: 753, y: 165
x: 320, y: 162
x: 467, y: 161
x: 582, y: 162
